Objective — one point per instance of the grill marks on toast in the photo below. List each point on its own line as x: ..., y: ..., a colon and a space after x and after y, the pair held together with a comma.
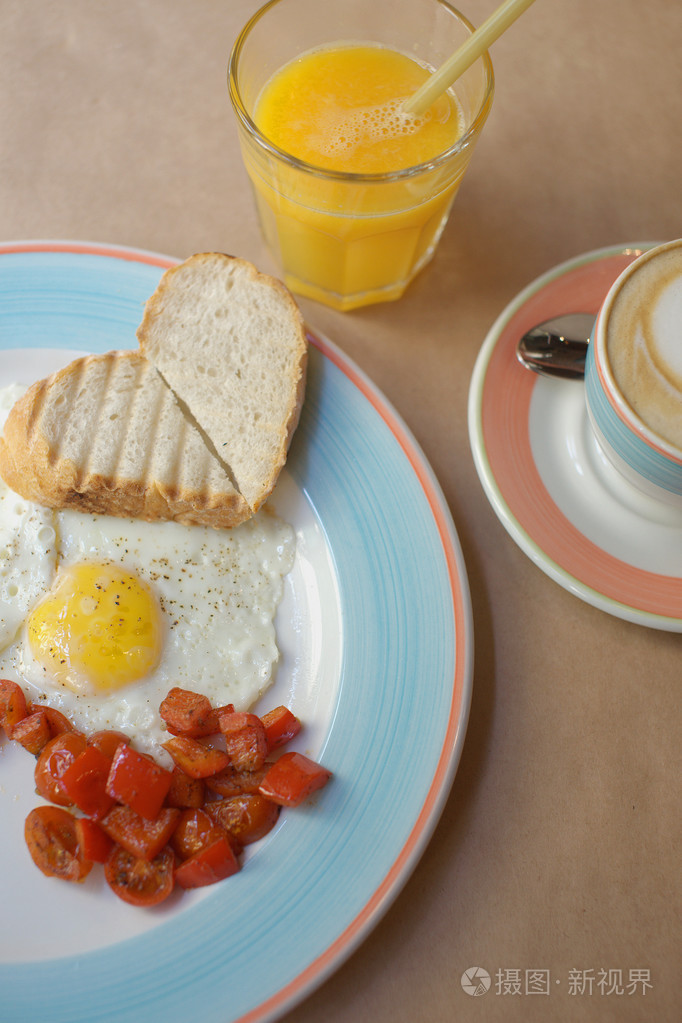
x: 180, y: 450
x: 127, y: 426
x: 36, y: 411
x: 97, y: 435
x: 134, y: 435
x: 107, y: 435
x: 101, y: 450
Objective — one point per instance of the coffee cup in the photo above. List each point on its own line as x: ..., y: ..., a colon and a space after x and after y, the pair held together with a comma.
x: 633, y: 374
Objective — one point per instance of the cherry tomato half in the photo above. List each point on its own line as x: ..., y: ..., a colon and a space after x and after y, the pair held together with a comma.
x: 107, y: 741
x: 247, y: 817
x: 13, y: 705
x: 54, y: 759
x: 137, y: 881
x: 194, y: 830
x: 52, y: 840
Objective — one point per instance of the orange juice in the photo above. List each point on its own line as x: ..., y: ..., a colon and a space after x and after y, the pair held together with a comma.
x: 352, y: 193
x: 340, y: 108
x: 344, y: 241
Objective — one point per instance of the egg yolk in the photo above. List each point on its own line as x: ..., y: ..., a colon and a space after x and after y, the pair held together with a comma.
x: 98, y: 628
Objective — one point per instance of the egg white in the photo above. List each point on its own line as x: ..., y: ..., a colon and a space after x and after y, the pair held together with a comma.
x: 218, y: 592
x: 27, y: 547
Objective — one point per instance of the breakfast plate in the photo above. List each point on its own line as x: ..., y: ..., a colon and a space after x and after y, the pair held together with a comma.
x: 376, y: 645
x: 546, y: 478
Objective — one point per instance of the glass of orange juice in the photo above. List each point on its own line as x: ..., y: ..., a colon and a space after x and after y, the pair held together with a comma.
x: 352, y: 192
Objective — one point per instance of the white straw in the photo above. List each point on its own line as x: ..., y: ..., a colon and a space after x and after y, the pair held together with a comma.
x: 477, y: 43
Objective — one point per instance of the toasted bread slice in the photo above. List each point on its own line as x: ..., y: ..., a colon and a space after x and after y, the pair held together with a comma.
x: 106, y: 435
x: 230, y: 343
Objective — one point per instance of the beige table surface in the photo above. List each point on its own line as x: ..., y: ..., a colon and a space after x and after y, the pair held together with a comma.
x: 559, y: 847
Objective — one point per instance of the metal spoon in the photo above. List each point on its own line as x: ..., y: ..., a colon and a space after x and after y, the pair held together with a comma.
x: 557, y: 347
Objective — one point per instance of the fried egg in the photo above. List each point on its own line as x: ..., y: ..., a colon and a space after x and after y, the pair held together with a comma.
x: 101, y: 616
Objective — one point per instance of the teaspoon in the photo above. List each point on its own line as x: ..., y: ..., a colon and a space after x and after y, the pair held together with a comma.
x: 557, y: 347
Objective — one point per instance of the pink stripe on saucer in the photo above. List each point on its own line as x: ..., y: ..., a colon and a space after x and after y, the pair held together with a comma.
x: 505, y: 411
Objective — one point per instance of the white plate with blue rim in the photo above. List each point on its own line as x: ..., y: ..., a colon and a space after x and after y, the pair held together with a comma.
x: 376, y: 642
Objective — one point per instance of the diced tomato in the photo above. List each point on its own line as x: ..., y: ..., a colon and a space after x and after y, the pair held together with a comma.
x: 32, y: 732
x: 292, y: 778
x: 139, y: 816
x: 280, y: 726
x: 185, y: 792
x: 54, y: 759
x: 107, y: 740
x: 12, y: 704
x: 59, y: 723
x: 93, y: 843
x: 52, y: 841
x: 213, y: 863
x: 189, y: 714
x: 195, y: 758
x: 245, y: 740
x: 227, y: 708
x: 85, y: 782
x: 136, y: 780
x: 194, y: 830
x: 137, y: 881
x: 247, y: 817
x: 142, y: 837
x: 232, y: 783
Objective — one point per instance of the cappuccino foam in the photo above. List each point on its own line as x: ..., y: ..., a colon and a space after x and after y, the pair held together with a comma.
x: 644, y: 342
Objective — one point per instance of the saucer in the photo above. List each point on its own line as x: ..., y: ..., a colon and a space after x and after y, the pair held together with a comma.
x: 546, y: 478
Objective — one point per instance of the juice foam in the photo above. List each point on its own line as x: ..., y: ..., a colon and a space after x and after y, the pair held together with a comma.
x: 341, y: 108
